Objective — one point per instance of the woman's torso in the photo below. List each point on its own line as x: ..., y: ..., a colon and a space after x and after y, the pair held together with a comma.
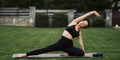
x: 70, y: 32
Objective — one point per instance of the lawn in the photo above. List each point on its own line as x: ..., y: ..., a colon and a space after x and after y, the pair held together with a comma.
x: 24, y: 39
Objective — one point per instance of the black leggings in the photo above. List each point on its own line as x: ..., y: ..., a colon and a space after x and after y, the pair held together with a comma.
x: 64, y: 44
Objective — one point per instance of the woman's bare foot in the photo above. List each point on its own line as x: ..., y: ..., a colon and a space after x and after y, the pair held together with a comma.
x: 64, y: 54
x: 22, y: 55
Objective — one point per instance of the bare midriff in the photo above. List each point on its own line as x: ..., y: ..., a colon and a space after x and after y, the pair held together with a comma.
x: 67, y: 35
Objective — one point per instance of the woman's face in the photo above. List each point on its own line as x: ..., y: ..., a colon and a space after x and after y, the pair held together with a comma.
x: 83, y: 23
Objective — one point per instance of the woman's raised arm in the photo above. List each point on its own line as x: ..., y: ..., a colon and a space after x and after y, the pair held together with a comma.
x: 85, y: 15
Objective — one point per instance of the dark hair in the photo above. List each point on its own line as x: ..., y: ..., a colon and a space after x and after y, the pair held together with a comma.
x: 87, y: 25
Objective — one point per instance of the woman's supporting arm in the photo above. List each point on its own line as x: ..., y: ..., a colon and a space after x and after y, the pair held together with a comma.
x: 81, y: 42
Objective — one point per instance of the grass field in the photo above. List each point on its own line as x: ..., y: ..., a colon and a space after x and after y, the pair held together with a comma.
x: 24, y: 39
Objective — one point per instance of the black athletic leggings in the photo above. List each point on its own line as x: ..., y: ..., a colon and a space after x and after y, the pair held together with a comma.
x: 64, y: 44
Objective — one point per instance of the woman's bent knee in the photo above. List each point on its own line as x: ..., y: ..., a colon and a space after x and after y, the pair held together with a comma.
x: 82, y: 54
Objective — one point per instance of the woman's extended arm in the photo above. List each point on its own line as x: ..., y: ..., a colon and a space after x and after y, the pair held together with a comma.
x: 81, y: 42
x: 75, y: 21
x: 86, y: 15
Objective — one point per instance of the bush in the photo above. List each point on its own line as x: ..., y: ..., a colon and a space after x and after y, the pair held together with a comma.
x: 60, y: 20
x: 98, y: 22
x: 41, y: 20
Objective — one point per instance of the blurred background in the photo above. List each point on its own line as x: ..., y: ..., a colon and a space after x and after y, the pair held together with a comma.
x: 58, y: 13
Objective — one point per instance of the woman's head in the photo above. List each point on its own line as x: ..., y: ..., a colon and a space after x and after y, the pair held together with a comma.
x: 83, y: 24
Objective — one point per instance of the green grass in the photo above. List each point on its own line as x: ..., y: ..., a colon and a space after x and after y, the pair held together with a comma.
x: 24, y: 39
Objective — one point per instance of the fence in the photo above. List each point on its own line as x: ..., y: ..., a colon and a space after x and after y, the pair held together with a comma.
x: 26, y: 17
x: 15, y: 16
x: 50, y: 13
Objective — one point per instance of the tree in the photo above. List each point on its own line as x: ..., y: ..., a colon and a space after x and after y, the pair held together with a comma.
x: 115, y: 4
x: 3, y: 3
x: 80, y: 5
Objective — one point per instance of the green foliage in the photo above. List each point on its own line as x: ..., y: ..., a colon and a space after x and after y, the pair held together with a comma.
x: 98, y: 22
x: 22, y: 3
x: 83, y: 5
x: 60, y: 20
x: 41, y: 20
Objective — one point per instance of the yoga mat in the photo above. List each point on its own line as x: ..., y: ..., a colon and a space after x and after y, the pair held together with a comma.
x: 87, y: 55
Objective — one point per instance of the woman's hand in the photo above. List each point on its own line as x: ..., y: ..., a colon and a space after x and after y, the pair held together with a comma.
x: 82, y: 48
x: 96, y: 13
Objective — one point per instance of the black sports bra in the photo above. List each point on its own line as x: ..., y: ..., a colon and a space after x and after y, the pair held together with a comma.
x: 72, y: 31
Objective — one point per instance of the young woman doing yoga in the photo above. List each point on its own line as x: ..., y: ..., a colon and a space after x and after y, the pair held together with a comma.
x: 65, y: 43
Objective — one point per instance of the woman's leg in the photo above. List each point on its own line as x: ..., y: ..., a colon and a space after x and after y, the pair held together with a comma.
x: 53, y: 47
x: 73, y: 51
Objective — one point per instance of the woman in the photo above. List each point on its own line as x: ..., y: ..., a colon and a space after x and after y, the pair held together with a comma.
x: 65, y: 43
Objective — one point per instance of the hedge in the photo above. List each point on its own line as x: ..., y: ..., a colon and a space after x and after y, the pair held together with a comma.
x: 98, y: 22
x: 41, y: 20
x: 60, y: 20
